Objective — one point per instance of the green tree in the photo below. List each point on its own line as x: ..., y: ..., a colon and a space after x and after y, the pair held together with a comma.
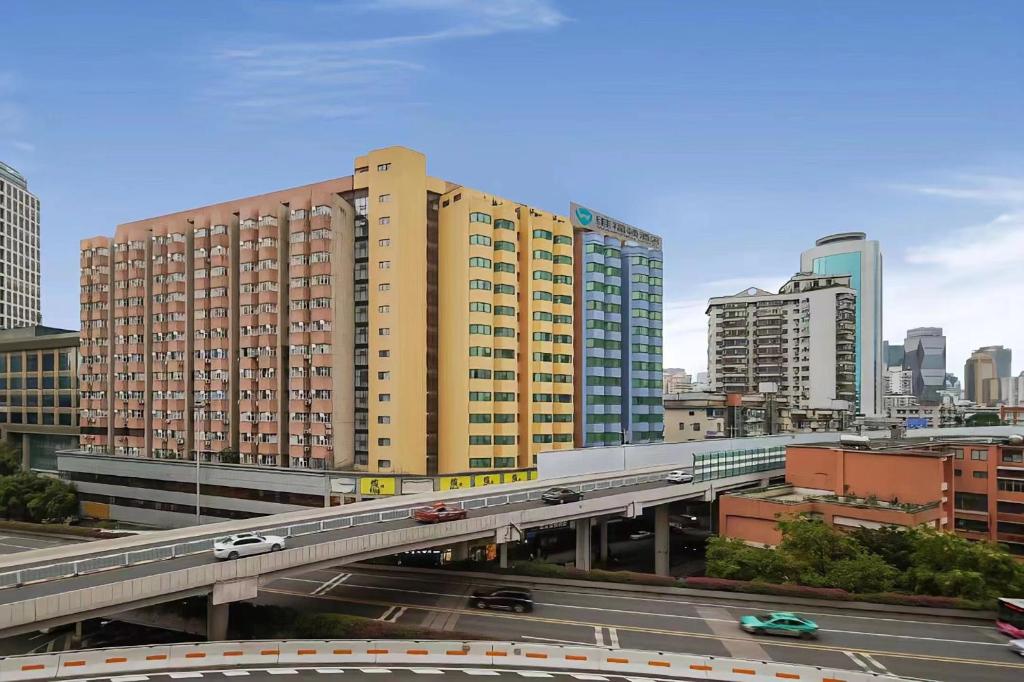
x: 893, y: 544
x: 10, y: 460
x: 814, y: 546
x: 735, y: 560
x: 862, y: 573
x: 983, y: 419
x: 52, y: 500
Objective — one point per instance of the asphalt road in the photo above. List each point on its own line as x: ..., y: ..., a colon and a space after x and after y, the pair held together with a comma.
x: 39, y: 589
x: 935, y: 649
x: 398, y: 673
x: 12, y: 542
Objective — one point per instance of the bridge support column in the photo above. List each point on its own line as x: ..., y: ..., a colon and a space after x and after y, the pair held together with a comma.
x: 216, y: 620
x: 503, y: 555
x: 460, y: 551
x: 583, y: 546
x: 603, y: 541
x: 661, y: 540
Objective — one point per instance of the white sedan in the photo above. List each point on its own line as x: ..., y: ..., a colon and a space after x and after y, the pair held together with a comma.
x: 246, y: 544
x: 679, y: 476
x: 1017, y: 646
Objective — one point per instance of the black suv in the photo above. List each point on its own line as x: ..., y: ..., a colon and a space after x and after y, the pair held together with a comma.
x: 561, y: 496
x: 516, y: 599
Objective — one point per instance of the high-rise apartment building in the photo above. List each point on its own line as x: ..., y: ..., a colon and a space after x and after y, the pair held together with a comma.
x: 19, y: 251
x: 386, y: 321
x: 800, y: 341
x: 851, y: 253
x: 619, y: 317
x: 925, y: 358
x: 983, y: 373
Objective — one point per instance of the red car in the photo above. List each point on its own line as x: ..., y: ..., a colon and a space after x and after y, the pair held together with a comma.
x: 438, y: 513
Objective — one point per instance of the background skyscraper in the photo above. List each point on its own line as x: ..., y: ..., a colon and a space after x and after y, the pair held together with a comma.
x: 19, y: 251
x: 983, y: 372
x: 925, y: 357
x: 851, y: 253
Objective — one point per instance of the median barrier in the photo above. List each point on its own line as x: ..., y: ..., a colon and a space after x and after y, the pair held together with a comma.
x: 511, y: 655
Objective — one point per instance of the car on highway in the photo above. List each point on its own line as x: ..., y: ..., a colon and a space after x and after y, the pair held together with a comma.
x: 780, y: 623
x: 1017, y: 646
x: 561, y: 495
x: 516, y: 599
x: 679, y: 476
x: 246, y: 544
x: 439, y: 512
x: 640, y: 535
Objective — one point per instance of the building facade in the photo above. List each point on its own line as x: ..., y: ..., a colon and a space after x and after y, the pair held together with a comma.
x: 619, y: 311
x: 799, y: 342
x: 19, y: 251
x: 925, y: 358
x: 1011, y: 390
x: 39, y: 393
x: 851, y: 253
x: 981, y: 379
x: 386, y: 321
x: 892, y: 355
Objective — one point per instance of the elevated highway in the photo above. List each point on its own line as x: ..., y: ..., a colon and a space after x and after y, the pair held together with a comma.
x: 61, y: 585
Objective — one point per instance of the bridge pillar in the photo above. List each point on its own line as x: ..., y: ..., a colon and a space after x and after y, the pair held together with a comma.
x: 603, y: 541
x: 216, y: 620
x: 661, y: 540
x: 460, y: 551
x: 583, y: 547
x: 503, y: 555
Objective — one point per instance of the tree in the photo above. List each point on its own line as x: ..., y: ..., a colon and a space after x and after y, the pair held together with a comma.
x: 893, y: 544
x: 983, y: 419
x: 52, y: 501
x: 10, y: 460
x: 863, y: 573
x: 735, y: 560
x: 814, y: 545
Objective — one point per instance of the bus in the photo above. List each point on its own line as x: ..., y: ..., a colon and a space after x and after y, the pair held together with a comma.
x: 1010, y: 617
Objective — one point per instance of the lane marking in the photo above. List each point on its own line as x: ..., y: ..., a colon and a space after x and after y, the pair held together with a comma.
x: 853, y: 657
x: 599, y: 635
x: 556, y: 641
x: 872, y: 661
x: 613, y: 637
x: 376, y: 671
x: 329, y: 671
x: 738, y: 607
x: 588, y: 676
x: 533, y: 673
x: 428, y: 671
x: 680, y: 633
x: 481, y: 673
x: 130, y: 678
x: 387, y: 614
x: 738, y: 643
x: 235, y: 673
x: 282, y: 671
x: 183, y: 676
x: 328, y: 585
x: 699, y: 618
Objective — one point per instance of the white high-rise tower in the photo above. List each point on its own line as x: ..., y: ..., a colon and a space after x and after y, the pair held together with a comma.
x: 19, y: 251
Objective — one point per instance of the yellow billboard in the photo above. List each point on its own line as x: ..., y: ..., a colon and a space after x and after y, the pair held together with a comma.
x: 514, y: 477
x: 373, y: 485
x: 456, y: 482
x: 486, y: 479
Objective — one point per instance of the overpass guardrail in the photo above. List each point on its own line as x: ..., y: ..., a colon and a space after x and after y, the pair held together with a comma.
x: 94, y: 663
x: 71, y: 568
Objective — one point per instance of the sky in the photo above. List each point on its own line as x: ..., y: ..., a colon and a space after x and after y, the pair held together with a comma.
x: 739, y: 130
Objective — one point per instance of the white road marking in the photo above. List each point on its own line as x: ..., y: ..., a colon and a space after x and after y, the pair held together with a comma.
x: 282, y: 671
x: 613, y: 636
x: 329, y: 585
x: 556, y: 641
x: 533, y: 673
x: 387, y: 614
x: 481, y: 673
x: 397, y: 614
x: 870, y: 659
x: 376, y: 671
x: 132, y: 678
x: 862, y: 664
x: 588, y: 676
x: 599, y: 635
x: 235, y: 673
x: 329, y: 671
x: 11, y: 544
x: 183, y: 676
x: 428, y: 671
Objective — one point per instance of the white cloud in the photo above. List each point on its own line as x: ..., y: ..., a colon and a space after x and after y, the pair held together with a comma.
x: 321, y: 79
x: 986, y: 188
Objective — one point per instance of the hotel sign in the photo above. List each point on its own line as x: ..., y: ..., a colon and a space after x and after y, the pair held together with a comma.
x: 584, y: 218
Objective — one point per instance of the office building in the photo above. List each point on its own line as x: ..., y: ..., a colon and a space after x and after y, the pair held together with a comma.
x: 1011, y: 390
x: 386, y: 321
x: 19, y: 251
x: 619, y: 313
x: 797, y: 344
x: 851, y: 253
x: 925, y: 358
x: 899, y: 381
x: 676, y: 380
x: 982, y: 374
x: 892, y: 355
x: 973, y: 486
x: 39, y: 393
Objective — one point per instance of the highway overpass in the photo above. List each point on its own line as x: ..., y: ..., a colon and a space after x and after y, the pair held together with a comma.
x: 50, y: 587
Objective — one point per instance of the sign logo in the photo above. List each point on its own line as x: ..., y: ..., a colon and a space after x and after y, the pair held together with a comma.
x: 584, y: 216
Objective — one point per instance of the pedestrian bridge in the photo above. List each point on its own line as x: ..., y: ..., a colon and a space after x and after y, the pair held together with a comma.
x: 61, y: 585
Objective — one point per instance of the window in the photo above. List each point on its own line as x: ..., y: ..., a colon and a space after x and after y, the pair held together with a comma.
x: 384, y: 309
x: 540, y: 254
x: 507, y: 332
x: 384, y: 397
x: 505, y: 353
x: 971, y: 501
x: 477, y: 217
x: 972, y: 525
x: 480, y: 284
x: 384, y: 265
x: 480, y: 329
x: 480, y: 396
x: 541, y: 336
x: 480, y: 419
x: 562, y: 239
x: 504, y: 289
x: 958, y: 472
x: 383, y: 376
x: 542, y: 296
x: 383, y: 419
x: 384, y: 331
x: 383, y: 354
x: 479, y: 440
x: 979, y: 455
x: 504, y: 310
x: 477, y: 262
x: 504, y: 418
x: 384, y: 463
x: 542, y: 316
x: 958, y: 453
x: 502, y: 224
x: 384, y: 198
x: 504, y: 246
x: 504, y: 461
x: 384, y: 442
x: 563, y: 260
x: 479, y: 374
x: 979, y: 474
x: 480, y: 351
x: 479, y: 462
x: 384, y: 220
x: 696, y: 427
x: 477, y: 307
x: 541, y: 234
x: 384, y: 286
x: 504, y: 375
x: 542, y: 274
x: 383, y: 242
x: 383, y: 167
x: 505, y: 267
x: 504, y: 397
x: 481, y: 239
x: 563, y: 279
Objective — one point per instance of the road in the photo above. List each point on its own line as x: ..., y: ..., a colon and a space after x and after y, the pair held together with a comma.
x: 948, y: 650
x: 393, y: 673
x: 49, y: 587
x: 12, y: 542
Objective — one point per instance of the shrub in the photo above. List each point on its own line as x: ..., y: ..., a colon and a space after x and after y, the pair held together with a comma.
x: 863, y: 573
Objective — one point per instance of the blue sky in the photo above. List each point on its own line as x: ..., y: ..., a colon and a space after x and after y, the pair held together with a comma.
x: 739, y: 130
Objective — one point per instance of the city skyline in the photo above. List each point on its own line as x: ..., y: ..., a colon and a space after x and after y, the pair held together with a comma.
x: 772, y: 167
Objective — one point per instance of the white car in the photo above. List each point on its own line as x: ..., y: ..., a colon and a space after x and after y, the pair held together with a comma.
x: 246, y: 544
x: 640, y: 535
x: 1017, y: 646
x: 679, y: 476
